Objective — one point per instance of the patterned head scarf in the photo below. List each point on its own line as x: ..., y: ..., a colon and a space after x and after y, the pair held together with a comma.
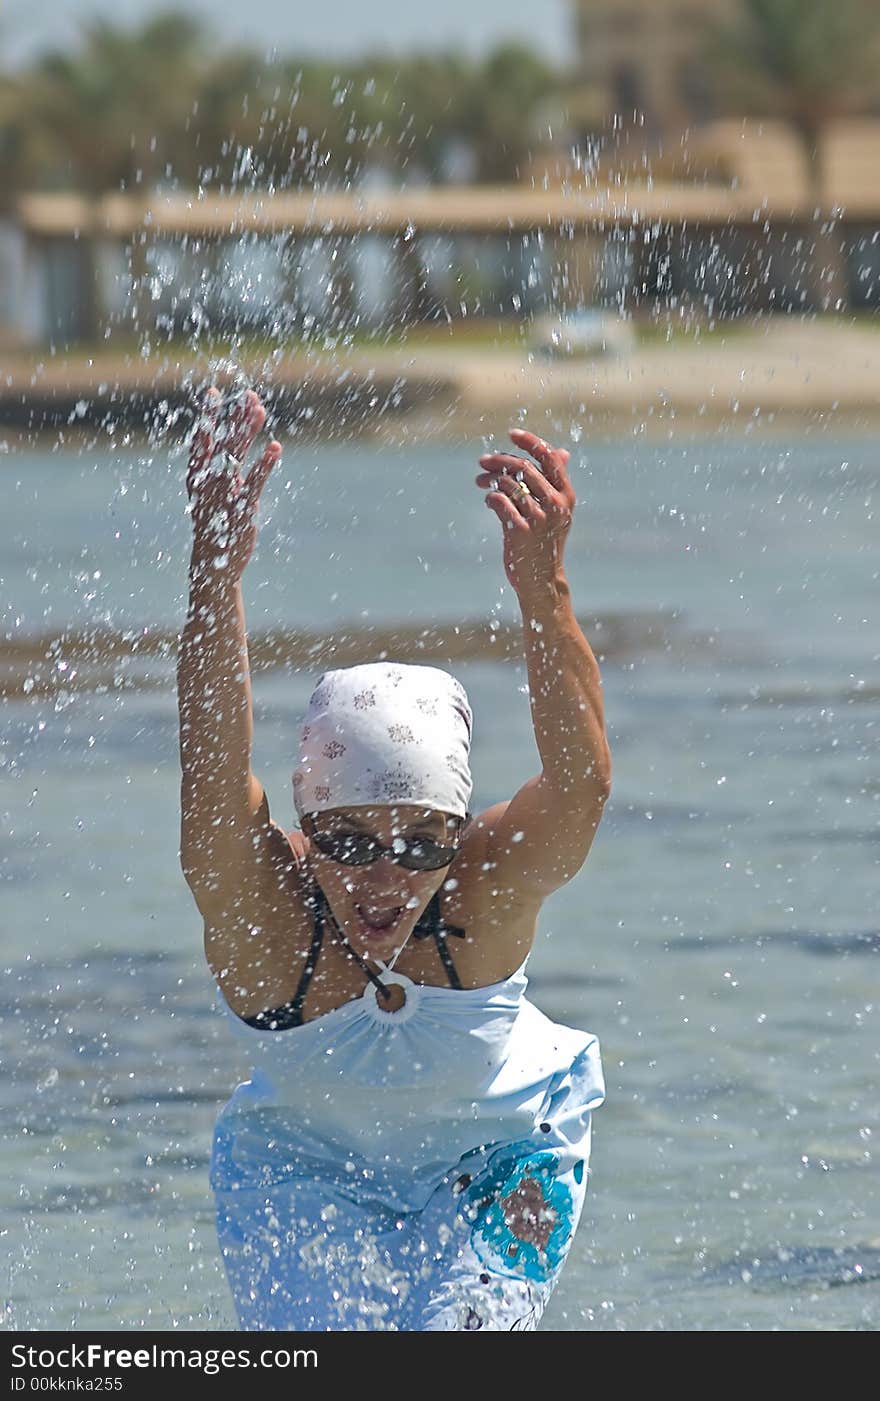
x: 384, y: 733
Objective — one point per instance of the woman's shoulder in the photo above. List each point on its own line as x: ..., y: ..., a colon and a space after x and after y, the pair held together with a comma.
x: 498, y: 925
x: 255, y: 947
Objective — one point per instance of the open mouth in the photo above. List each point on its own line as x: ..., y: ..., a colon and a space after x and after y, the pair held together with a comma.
x: 378, y: 921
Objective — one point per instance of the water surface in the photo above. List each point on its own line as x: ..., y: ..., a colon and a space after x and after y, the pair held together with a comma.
x: 722, y: 939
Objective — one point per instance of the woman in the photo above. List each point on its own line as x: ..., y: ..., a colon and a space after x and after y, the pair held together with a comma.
x: 411, y: 1150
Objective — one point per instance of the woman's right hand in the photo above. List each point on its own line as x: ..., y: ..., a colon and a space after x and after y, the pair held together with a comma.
x: 223, y: 504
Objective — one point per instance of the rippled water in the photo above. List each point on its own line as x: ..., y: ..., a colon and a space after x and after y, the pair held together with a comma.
x: 722, y: 940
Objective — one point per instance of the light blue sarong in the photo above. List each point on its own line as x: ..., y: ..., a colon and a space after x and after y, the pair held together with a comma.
x: 416, y: 1170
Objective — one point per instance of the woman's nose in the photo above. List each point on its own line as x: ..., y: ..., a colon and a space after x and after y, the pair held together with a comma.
x: 385, y: 874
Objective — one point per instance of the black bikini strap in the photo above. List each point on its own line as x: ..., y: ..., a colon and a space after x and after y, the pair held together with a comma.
x: 431, y: 925
x: 290, y: 1015
x: 446, y: 956
x: 311, y: 964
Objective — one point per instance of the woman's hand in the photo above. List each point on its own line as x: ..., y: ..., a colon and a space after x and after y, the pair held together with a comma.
x: 536, y: 521
x: 223, y: 504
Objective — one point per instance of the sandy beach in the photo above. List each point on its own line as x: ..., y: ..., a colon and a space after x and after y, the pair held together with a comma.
x: 769, y: 369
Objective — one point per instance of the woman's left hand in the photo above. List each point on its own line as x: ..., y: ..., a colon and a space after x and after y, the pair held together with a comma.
x: 537, y: 520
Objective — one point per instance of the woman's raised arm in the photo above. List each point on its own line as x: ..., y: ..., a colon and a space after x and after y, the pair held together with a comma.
x: 220, y: 796
x: 540, y: 838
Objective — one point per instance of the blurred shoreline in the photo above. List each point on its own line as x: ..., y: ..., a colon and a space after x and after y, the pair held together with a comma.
x: 818, y: 369
x: 61, y: 663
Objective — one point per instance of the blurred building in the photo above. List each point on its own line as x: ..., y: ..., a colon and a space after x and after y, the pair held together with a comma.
x: 284, y: 264
x: 640, y: 60
x: 643, y: 197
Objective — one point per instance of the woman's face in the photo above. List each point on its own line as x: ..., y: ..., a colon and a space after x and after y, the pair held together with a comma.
x: 377, y: 906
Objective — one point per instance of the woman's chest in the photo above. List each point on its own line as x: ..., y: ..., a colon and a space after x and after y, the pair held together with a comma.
x: 479, y: 938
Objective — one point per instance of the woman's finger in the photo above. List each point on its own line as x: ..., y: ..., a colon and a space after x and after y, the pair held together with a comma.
x: 505, y: 467
x: 510, y: 517
x: 531, y: 506
x: 552, y: 461
x: 203, y: 438
x: 528, y: 506
x: 246, y: 418
x: 257, y: 476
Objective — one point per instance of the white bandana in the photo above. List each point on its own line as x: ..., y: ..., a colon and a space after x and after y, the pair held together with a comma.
x: 384, y: 733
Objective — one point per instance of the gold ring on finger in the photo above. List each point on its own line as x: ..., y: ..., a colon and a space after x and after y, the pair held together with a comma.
x: 520, y: 490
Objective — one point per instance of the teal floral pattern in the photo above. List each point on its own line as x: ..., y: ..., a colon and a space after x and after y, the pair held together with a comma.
x: 522, y: 1215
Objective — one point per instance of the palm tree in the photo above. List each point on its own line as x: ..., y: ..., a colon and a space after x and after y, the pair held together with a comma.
x: 115, y: 109
x: 511, y: 86
x: 807, y: 61
x: 133, y: 108
x: 112, y: 113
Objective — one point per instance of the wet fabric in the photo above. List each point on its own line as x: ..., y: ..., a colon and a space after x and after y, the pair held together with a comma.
x: 406, y: 1170
x: 304, y: 1255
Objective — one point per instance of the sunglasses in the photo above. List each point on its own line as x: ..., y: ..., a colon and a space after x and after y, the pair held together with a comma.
x: 360, y: 849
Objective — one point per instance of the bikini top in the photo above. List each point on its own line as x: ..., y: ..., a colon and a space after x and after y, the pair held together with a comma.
x: 430, y: 925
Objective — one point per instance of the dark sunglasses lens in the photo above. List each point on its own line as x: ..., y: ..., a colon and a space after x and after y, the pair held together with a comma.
x: 352, y: 850
x: 426, y: 856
